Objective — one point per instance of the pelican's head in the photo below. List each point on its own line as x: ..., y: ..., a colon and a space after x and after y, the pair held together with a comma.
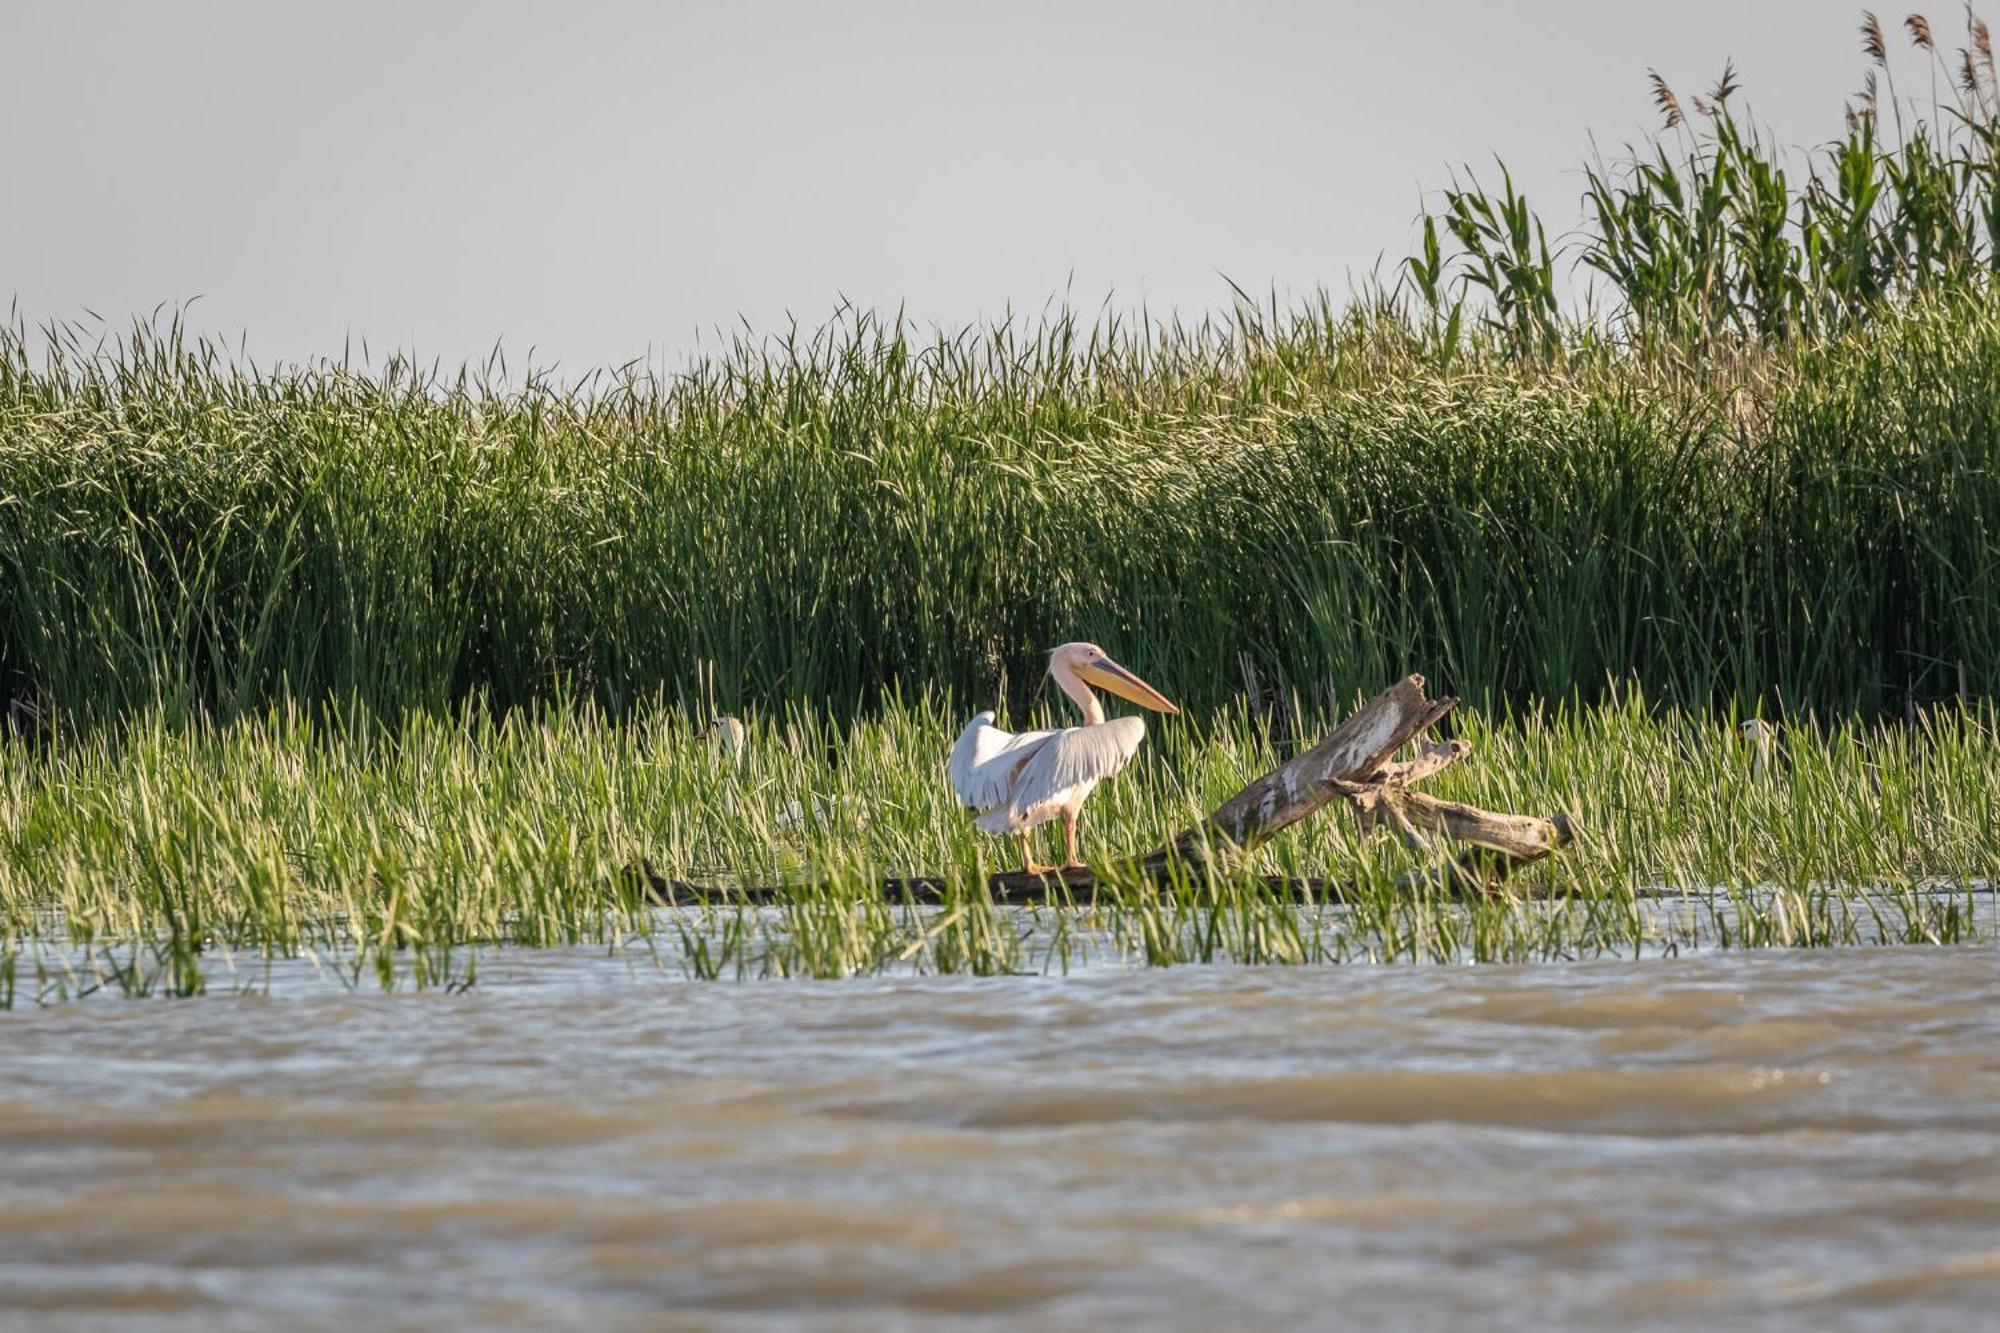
x: 1092, y: 665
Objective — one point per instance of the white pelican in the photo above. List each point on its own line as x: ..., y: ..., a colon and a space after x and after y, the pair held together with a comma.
x: 1018, y: 781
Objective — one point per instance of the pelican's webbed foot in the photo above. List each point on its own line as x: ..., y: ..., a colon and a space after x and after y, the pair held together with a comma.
x: 1028, y: 866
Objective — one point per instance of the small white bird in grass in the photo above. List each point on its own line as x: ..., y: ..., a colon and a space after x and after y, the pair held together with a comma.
x: 1763, y: 739
x: 1016, y: 781
x: 726, y: 737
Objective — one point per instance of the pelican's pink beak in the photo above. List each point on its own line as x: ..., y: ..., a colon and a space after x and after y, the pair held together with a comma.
x: 1106, y: 674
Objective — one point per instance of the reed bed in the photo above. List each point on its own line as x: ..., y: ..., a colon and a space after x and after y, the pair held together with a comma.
x: 170, y: 852
x: 1756, y: 468
x: 387, y: 663
x: 860, y: 517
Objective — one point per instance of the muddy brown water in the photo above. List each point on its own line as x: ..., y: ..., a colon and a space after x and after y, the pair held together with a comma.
x: 1768, y: 1140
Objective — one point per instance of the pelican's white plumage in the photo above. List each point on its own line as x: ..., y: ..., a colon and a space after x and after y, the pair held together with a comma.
x: 1016, y: 780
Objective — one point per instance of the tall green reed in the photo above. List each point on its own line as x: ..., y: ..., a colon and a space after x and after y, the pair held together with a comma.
x: 177, y: 857
x: 1765, y: 474
x: 1712, y: 232
x: 861, y: 513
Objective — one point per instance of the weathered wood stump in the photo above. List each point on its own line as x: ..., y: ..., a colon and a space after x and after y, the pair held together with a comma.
x: 1354, y: 765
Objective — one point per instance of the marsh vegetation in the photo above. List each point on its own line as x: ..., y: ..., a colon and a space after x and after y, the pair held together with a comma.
x: 175, y: 857
x: 384, y: 663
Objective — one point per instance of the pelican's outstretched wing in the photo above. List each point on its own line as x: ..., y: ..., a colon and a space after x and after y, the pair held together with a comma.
x: 1071, y: 758
x: 986, y: 762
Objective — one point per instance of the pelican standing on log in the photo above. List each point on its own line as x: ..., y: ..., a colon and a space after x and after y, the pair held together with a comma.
x: 1016, y: 781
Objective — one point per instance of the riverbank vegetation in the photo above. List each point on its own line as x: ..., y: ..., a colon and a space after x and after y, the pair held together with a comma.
x: 1757, y: 467
x: 392, y: 854
x: 385, y: 662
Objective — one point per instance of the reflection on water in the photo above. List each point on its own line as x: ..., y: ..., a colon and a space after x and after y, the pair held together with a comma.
x: 1772, y: 1138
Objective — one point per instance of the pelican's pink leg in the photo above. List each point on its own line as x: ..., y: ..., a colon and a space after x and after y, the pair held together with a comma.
x: 1070, y: 818
x: 1028, y: 866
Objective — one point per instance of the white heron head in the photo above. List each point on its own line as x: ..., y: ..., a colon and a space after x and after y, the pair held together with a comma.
x: 726, y: 737
x: 1093, y: 666
x: 1762, y: 738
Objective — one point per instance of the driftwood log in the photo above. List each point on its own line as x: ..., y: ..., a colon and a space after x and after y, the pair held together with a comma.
x: 1354, y: 765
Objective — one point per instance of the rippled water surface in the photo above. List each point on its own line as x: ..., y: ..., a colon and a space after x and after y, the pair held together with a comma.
x: 1773, y: 1140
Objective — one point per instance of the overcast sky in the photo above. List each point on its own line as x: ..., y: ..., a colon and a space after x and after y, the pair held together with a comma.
x: 603, y: 181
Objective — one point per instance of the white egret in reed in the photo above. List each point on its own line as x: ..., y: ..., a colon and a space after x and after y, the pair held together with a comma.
x: 726, y: 738
x: 1763, y: 739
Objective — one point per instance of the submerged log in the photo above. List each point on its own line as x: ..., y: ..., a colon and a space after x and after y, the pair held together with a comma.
x: 1056, y: 888
x: 1354, y: 764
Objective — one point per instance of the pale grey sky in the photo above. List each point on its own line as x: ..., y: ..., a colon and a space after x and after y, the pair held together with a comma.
x: 604, y: 181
